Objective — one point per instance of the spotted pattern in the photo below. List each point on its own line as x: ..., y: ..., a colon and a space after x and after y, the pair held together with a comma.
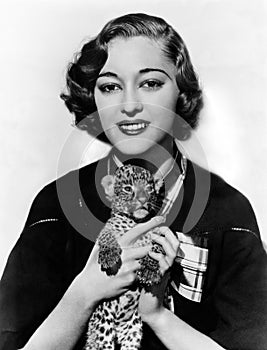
x: 116, y: 321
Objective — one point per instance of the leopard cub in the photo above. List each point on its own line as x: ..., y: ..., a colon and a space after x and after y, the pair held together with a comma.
x: 135, y: 197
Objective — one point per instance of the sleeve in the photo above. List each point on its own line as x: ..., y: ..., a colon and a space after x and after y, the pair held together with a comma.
x: 240, y: 296
x: 32, y: 282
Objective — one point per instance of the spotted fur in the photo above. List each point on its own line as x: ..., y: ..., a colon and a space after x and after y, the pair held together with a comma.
x: 137, y: 198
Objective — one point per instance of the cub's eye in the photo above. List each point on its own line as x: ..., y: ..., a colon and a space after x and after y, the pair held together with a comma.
x: 152, y: 84
x: 127, y: 188
x: 109, y: 88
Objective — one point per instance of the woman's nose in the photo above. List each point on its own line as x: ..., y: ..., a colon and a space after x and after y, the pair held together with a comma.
x: 130, y: 104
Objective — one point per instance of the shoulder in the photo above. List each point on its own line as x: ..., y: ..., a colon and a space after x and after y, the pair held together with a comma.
x: 50, y: 201
x: 232, y: 208
x: 227, y: 208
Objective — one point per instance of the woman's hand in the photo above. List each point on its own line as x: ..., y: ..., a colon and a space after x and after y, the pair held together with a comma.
x: 151, y: 299
x: 96, y: 285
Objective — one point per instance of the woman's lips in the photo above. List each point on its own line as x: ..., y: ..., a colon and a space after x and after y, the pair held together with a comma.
x: 133, y: 128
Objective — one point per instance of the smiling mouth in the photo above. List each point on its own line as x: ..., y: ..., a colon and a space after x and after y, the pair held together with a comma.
x: 133, y: 128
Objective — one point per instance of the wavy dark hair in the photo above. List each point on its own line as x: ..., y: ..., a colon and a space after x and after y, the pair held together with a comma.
x: 83, y: 72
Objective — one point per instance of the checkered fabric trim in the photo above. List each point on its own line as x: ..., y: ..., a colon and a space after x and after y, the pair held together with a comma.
x: 193, y: 258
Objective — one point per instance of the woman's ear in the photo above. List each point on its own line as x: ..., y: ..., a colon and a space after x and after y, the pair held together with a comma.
x: 108, y: 182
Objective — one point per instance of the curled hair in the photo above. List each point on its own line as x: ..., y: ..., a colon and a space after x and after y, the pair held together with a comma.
x: 83, y: 72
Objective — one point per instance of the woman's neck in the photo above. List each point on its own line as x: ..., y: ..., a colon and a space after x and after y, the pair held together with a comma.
x: 155, y: 158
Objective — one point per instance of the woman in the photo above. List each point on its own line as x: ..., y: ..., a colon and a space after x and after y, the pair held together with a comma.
x: 137, y: 74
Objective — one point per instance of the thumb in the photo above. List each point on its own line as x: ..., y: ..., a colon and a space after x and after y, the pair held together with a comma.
x: 94, y: 253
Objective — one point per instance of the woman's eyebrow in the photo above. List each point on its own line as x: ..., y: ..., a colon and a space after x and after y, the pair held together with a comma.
x: 142, y: 71
x: 107, y: 74
x: 147, y: 70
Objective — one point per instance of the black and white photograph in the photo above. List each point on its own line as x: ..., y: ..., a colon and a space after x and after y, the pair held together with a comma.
x: 133, y: 175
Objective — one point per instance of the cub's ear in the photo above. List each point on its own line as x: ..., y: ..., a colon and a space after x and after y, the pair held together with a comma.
x: 108, y: 182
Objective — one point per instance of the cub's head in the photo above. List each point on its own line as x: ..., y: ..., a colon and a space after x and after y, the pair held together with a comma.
x: 134, y: 192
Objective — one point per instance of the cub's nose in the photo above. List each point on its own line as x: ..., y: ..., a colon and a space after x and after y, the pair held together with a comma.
x: 142, y: 199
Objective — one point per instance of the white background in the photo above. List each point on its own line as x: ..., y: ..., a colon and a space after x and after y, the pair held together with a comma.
x: 228, y: 44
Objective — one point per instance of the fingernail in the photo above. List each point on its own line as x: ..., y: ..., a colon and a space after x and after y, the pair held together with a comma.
x: 164, y: 229
x: 160, y: 218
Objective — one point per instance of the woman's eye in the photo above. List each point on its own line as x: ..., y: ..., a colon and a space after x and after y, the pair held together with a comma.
x: 109, y: 88
x: 152, y: 84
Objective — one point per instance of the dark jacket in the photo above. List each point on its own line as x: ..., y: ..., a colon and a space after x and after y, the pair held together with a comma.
x: 66, y: 217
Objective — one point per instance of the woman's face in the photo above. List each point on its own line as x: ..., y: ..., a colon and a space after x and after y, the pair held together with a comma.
x: 136, y: 95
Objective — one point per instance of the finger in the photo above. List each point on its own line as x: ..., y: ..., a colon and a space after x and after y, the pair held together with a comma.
x: 166, y: 245
x: 129, y: 267
x: 171, y: 237
x: 169, y: 243
x: 94, y: 253
x: 133, y: 234
x: 163, y: 263
x: 135, y: 253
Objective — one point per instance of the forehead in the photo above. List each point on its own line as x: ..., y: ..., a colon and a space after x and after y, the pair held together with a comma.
x: 135, y: 53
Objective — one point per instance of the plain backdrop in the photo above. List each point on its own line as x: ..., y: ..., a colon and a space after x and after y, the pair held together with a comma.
x: 227, y: 40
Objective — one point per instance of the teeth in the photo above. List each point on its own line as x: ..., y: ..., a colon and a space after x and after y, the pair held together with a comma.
x: 133, y: 126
